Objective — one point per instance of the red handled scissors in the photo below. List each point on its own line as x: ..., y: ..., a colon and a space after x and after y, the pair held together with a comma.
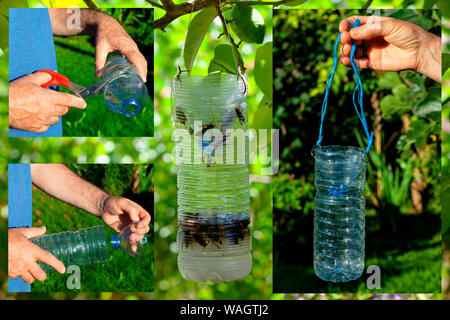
x: 81, y: 91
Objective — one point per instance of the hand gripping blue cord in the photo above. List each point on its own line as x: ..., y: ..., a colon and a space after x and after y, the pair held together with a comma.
x: 358, y: 93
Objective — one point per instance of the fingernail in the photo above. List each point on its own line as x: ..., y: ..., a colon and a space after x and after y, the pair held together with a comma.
x: 355, y: 32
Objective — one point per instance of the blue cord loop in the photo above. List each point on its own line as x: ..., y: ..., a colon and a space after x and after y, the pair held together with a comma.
x: 358, y: 93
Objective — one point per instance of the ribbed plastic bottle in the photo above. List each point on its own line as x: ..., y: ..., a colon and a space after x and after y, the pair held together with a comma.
x: 127, y: 94
x: 214, y: 241
x: 339, y: 217
x: 84, y: 247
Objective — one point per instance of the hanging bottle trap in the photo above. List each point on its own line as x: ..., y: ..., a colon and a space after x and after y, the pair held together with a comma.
x: 213, y: 203
x: 339, y: 203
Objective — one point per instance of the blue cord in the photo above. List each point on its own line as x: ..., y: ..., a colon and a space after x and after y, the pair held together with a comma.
x: 358, y: 93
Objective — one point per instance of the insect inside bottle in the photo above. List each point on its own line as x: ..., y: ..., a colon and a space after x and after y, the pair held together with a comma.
x: 205, y: 233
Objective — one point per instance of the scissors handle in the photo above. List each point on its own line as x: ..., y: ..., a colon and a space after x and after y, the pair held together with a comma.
x: 56, y: 80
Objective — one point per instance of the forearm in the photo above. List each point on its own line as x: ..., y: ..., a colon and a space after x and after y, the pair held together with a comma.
x: 64, y: 21
x: 60, y: 182
x: 429, y: 63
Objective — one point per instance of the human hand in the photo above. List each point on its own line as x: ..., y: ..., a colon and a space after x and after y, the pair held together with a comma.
x: 110, y: 37
x: 120, y: 212
x: 33, y: 108
x: 23, y: 255
x: 389, y: 44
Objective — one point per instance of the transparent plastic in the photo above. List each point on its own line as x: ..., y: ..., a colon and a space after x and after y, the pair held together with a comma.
x: 213, y: 242
x: 123, y: 242
x: 126, y: 94
x: 339, y: 214
x: 83, y: 247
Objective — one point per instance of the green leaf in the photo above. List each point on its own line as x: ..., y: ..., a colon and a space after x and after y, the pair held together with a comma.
x: 263, y: 117
x: 445, y: 62
x: 263, y: 69
x: 294, y: 3
x: 3, y: 34
x: 390, y: 106
x: 427, y: 107
x: 411, y: 16
x: 428, y: 4
x: 6, y: 4
x: 223, y: 60
x: 195, y: 34
x: 389, y: 80
x: 444, y: 6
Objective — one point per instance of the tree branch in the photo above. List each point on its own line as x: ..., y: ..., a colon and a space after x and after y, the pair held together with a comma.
x: 174, y: 11
x: 367, y: 5
x: 90, y: 4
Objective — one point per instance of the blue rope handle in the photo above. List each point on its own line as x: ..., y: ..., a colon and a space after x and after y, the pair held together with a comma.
x: 358, y: 93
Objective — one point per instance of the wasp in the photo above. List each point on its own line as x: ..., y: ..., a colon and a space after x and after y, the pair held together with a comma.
x: 239, y: 114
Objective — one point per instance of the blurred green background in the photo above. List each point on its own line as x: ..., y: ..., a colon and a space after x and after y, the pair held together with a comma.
x: 76, y: 59
x: 121, y: 273
x: 403, y: 229
x: 157, y: 150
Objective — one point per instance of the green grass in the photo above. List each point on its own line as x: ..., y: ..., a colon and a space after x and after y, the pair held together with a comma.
x: 121, y: 273
x: 410, y: 261
x: 76, y: 58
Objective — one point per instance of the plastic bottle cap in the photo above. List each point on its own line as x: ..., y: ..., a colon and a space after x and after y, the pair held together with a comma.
x: 130, y: 102
x: 115, y: 242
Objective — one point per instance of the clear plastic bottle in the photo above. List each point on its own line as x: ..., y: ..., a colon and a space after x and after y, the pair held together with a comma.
x: 339, y: 214
x: 126, y: 94
x: 123, y: 241
x: 214, y: 241
x: 85, y: 246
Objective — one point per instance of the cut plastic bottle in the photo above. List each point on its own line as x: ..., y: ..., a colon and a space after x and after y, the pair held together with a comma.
x: 339, y: 214
x: 126, y: 94
x: 214, y: 241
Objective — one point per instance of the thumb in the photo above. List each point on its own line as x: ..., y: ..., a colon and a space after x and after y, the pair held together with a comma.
x: 39, y: 77
x: 33, y: 232
x: 372, y: 30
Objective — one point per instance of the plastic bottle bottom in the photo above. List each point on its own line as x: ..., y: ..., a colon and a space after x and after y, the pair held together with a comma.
x: 342, y: 273
x: 215, y: 269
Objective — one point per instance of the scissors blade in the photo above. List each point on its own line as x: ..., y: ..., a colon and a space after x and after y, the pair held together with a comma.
x: 97, y: 88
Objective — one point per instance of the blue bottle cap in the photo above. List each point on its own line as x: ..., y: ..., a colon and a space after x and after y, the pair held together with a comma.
x: 130, y: 102
x: 115, y: 242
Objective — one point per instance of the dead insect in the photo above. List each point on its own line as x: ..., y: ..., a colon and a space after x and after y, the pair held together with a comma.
x: 239, y: 114
x: 180, y: 116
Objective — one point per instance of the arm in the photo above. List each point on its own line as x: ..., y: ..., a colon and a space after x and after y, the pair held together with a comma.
x: 117, y: 212
x: 60, y: 182
x: 109, y: 35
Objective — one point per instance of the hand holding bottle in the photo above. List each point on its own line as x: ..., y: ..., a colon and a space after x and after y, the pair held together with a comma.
x: 119, y: 213
x: 389, y: 44
x: 23, y: 255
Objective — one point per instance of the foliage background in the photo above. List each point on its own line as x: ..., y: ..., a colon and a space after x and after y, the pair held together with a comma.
x: 76, y: 56
x: 402, y: 233
x: 135, y: 150
x: 121, y: 273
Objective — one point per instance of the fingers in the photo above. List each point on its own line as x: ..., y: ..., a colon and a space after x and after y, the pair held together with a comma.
x: 346, y: 49
x: 51, y: 260
x: 61, y: 110
x: 65, y: 99
x: 27, y: 277
x: 33, y: 232
x: 37, y: 272
x: 136, y: 58
x: 101, y: 52
x: 360, y: 62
